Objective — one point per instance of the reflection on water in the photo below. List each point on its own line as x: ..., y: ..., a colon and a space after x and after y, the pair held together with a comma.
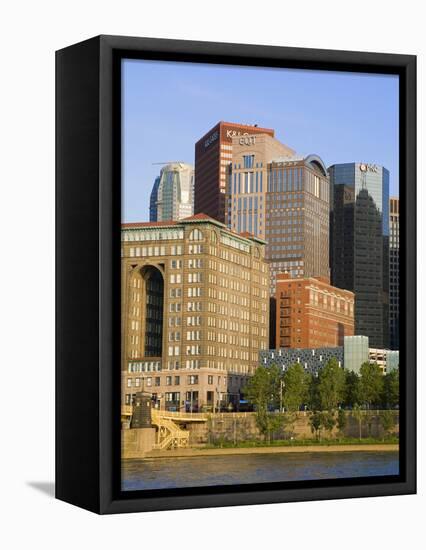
x: 161, y: 473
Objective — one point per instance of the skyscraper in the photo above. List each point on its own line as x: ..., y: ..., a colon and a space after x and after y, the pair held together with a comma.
x: 153, y: 200
x: 213, y: 154
x: 248, y: 181
x: 359, y: 246
x: 172, y: 195
x: 284, y: 199
x: 297, y: 223
x: 394, y: 274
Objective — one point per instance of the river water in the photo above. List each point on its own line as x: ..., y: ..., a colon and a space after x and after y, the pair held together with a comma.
x: 162, y: 473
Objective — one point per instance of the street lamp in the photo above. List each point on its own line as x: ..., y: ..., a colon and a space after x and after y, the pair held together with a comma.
x: 218, y: 399
x: 282, y: 385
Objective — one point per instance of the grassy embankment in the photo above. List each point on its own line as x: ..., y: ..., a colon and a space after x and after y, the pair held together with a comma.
x: 391, y: 440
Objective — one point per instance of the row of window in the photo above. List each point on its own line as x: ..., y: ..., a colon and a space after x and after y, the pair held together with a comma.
x: 152, y: 235
x: 247, y: 183
x: 156, y: 381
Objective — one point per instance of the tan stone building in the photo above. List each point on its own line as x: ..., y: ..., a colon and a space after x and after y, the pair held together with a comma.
x: 248, y: 184
x: 284, y: 199
x: 195, y: 312
x: 311, y: 313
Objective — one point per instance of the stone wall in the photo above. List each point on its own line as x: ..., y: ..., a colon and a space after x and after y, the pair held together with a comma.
x: 135, y: 443
x: 236, y: 427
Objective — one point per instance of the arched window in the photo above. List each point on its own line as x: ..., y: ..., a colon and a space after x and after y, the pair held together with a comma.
x: 196, y: 235
x: 153, y: 314
x: 214, y: 237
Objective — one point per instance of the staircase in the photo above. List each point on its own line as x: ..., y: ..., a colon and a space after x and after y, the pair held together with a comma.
x: 169, y: 435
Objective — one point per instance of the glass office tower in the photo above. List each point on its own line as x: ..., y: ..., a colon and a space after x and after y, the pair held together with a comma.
x: 394, y: 274
x: 356, y: 352
x: 172, y: 195
x: 153, y: 201
x: 359, y: 244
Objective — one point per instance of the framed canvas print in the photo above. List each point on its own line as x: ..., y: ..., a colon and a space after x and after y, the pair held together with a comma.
x: 236, y: 292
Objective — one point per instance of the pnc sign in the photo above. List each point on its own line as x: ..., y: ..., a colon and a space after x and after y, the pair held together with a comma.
x: 369, y: 168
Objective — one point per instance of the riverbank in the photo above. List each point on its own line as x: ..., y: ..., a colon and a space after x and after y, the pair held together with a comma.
x: 202, y: 452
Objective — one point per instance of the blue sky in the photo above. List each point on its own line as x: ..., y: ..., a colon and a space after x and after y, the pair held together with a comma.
x: 167, y: 107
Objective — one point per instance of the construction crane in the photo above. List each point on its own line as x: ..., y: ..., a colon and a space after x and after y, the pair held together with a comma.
x: 169, y: 162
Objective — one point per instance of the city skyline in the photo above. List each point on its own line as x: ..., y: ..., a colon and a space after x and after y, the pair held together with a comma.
x: 167, y: 107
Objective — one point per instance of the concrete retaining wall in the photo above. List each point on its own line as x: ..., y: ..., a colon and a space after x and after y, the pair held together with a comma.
x: 237, y: 427
x: 137, y: 442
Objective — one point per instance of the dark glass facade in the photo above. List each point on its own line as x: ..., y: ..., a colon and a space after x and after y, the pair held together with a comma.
x: 359, y: 244
x: 394, y: 274
x: 153, y: 216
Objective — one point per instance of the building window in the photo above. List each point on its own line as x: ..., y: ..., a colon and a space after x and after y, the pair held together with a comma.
x: 193, y: 379
x: 316, y: 186
x: 196, y: 235
x: 173, y: 396
x: 177, y: 380
x: 195, y: 249
x: 248, y: 161
x: 157, y: 380
x: 210, y: 379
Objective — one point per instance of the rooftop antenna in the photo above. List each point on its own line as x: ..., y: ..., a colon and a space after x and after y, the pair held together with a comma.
x: 363, y: 179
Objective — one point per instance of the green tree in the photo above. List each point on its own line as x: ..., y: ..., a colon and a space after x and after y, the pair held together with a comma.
x: 328, y: 421
x: 275, y: 422
x: 358, y: 414
x: 295, y: 382
x: 352, y: 389
x: 390, y: 397
x: 313, y: 398
x: 275, y: 379
x: 262, y: 390
x: 387, y: 421
x: 371, y: 384
x: 369, y: 420
x: 331, y: 385
x: 315, y: 421
x: 342, y: 421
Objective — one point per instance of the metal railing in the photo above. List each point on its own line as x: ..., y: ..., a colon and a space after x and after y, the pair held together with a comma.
x: 169, y: 434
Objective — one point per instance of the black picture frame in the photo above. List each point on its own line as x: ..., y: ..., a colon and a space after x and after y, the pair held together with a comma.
x: 88, y: 211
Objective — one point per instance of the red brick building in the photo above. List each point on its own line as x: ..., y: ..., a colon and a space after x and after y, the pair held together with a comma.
x: 311, y: 313
x: 213, y: 154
